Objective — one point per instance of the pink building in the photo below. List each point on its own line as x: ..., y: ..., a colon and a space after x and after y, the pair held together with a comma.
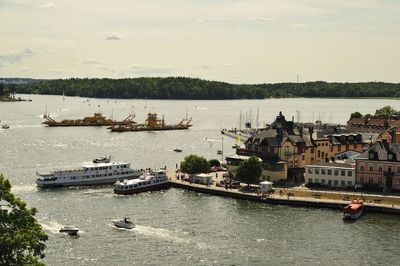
x: 379, y: 167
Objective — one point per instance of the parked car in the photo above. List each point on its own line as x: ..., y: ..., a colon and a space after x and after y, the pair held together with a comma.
x: 230, y: 183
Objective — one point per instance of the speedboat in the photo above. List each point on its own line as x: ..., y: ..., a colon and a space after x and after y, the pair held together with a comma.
x: 177, y: 150
x: 5, y: 126
x: 123, y: 223
x: 70, y: 230
x: 353, y: 210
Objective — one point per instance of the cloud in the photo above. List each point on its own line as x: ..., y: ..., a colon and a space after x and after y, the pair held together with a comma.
x: 12, y: 58
x: 299, y: 25
x: 48, y: 5
x: 92, y: 62
x: 150, y: 70
x: 113, y: 37
x: 262, y: 19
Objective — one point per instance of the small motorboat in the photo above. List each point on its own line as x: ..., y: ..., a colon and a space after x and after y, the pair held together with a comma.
x: 219, y: 152
x: 124, y: 223
x: 177, y: 150
x: 5, y: 126
x: 353, y: 210
x: 70, y: 230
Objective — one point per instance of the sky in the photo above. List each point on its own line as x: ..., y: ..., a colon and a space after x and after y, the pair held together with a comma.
x: 237, y: 41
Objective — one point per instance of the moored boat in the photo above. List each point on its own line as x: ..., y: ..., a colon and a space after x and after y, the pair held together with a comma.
x: 149, y: 181
x: 96, y: 120
x: 123, y: 223
x: 100, y: 171
x: 353, y: 210
x: 152, y: 123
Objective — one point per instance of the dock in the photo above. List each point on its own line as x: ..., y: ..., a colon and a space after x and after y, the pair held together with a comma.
x: 287, y: 197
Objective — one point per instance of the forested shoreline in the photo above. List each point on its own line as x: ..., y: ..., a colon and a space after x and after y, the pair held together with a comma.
x: 189, y: 88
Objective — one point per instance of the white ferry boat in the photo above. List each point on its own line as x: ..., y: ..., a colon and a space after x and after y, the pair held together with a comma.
x: 149, y: 181
x: 100, y: 171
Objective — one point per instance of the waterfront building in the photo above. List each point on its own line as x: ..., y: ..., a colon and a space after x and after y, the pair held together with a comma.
x: 299, y: 146
x: 379, y: 167
x: 387, y: 128
x: 330, y: 174
x: 272, y: 170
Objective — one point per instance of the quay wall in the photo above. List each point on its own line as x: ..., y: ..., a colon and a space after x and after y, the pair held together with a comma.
x: 291, y: 201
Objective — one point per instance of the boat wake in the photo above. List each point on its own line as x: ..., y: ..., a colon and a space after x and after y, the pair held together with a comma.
x: 168, y: 235
x: 160, y: 233
x: 54, y: 227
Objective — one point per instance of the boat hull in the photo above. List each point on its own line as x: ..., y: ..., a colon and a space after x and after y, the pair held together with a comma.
x: 142, y: 189
x: 347, y: 216
x: 117, y: 129
x: 49, y: 184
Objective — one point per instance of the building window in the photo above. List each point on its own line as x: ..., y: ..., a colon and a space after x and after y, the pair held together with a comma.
x: 335, y: 183
x: 323, y: 171
x: 316, y: 180
x: 371, y: 167
x: 380, y: 168
x: 339, y: 148
x: 336, y: 172
x: 310, y: 170
x: 312, y: 150
x: 310, y: 180
x: 370, y: 180
x: 349, y: 183
x: 342, y: 183
x: 329, y: 183
x: 361, y: 167
x: 398, y: 169
x: 390, y: 156
x: 303, y: 157
x: 355, y: 146
x: 380, y: 180
x: 319, y: 154
x: 329, y: 172
x: 349, y: 173
x: 323, y: 181
x: 323, y: 154
x: 312, y: 159
x: 343, y: 173
x: 316, y: 171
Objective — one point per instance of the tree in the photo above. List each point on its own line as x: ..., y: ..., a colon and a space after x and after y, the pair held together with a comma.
x: 249, y: 171
x: 193, y: 164
x: 356, y: 115
x: 214, y: 162
x: 386, y: 111
x: 21, y: 236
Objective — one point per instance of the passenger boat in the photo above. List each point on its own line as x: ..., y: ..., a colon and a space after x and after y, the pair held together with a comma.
x: 152, y: 123
x: 96, y: 120
x: 100, y: 171
x: 353, y: 210
x: 149, y: 181
x: 123, y: 223
x: 70, y: 230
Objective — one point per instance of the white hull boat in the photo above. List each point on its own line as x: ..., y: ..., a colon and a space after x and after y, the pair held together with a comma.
x: 123, y: 223
x: 100, y: 171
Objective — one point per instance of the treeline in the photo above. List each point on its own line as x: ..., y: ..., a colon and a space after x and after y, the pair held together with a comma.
x: 189, y: 88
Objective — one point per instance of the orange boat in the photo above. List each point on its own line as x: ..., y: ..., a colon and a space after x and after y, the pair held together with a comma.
x: 353, y: 210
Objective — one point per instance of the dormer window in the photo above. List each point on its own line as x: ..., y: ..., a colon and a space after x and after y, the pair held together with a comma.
x: 371, y: 156
x: 390, y: 156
